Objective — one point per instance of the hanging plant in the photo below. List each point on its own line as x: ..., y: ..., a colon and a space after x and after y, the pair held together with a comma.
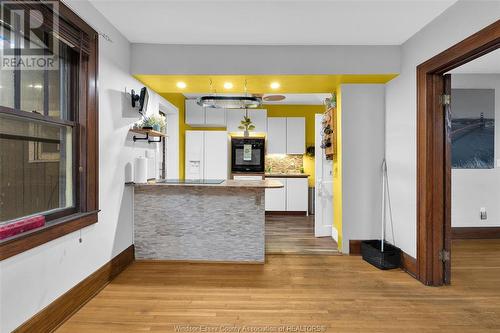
x: 310, y: 151
x: 246, y: 125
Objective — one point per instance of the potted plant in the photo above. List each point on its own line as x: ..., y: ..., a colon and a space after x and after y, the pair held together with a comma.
x: 246, y: 126
x: 154, y: 122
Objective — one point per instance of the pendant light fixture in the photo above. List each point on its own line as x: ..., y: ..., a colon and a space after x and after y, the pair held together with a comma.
x: 229, y: 102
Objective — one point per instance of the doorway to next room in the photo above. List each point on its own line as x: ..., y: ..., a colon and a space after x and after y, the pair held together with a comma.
x: 311, y: 232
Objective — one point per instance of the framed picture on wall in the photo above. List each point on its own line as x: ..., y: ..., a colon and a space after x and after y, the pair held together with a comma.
x: 473, y: 128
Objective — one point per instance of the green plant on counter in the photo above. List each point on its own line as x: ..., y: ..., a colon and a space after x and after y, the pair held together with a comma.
x: 157, y: 122
x: 246, y: 125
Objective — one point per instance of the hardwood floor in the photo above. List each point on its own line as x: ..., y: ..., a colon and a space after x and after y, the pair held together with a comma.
x: 295, y: 235
x: 338, y: 293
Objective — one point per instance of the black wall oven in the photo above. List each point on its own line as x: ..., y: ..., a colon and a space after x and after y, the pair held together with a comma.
x: 248, y: 154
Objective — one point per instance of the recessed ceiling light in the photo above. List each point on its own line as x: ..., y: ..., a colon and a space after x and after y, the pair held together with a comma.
x: 275, y: 85
x: 228, y: 85
x: 181, y: 85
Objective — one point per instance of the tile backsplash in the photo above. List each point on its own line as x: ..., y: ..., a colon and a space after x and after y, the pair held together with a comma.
x: 284, y: 163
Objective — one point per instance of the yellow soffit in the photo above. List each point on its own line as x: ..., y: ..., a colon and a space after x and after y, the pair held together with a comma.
x: 256, y: 84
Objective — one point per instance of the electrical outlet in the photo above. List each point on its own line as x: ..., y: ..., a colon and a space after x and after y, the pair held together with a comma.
x: 484, y: 215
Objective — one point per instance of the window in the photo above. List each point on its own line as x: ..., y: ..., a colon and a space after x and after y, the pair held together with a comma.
x: 48, y: 117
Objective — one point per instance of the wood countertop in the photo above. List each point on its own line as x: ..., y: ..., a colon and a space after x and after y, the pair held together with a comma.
x: 267, y: 183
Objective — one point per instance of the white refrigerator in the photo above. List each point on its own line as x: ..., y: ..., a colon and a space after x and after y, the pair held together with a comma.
x: 323, y: 206
x: 207, y: 154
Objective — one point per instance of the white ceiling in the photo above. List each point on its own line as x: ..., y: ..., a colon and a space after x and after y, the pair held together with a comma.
x: 487, y: 64
x: 290, y: 99
x: 270, y: 22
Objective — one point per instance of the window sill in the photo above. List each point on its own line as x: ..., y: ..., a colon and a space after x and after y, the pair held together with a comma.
x: 55, y: 229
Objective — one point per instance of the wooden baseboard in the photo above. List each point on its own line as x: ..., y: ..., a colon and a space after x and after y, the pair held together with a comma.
x: 57, y: 312
x: 291, y: 213
x: 409, y: 264
x: 354, y: 247
x: 475, y: 233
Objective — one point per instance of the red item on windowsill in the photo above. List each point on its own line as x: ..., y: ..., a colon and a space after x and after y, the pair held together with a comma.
x: 22, y: 225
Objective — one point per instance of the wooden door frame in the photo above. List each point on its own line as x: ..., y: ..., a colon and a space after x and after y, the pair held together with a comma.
x: 433, y: 174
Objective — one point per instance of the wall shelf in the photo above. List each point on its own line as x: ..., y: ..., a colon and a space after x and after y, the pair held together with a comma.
x: 148, y: 135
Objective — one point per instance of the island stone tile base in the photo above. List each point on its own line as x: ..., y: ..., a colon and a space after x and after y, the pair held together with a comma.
x: 198, y: 223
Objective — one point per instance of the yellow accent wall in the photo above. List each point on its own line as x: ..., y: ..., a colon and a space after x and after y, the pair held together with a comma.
x: 337, y: 173
x: 316, y: 83
x: 307, y: 111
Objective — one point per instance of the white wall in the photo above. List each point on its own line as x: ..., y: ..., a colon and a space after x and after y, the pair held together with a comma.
x: 32, y: 280
x: 458, y: 22
x: 363, y: 145
x: 219, y: 59
x: 473, y: 189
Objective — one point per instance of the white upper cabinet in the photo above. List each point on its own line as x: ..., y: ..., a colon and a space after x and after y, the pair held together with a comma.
x: 286, y: 135
x: 259, y: 119
x: 195, y: 114
x: 234, y: 117
x: 215, y: 117
x: 276, y: 135
x: 257, y: 116
x: 296, y: 135
x: 199, y: 116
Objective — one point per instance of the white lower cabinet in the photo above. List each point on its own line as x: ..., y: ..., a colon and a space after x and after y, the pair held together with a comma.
x: 296, y: 194
x: 293, y: 197
x: 276, y: 197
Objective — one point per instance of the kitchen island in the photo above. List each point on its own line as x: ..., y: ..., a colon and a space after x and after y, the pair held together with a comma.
x: 201, y: 221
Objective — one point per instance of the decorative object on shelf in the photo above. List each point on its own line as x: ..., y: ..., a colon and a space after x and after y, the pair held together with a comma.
x: 310, y: 151
x: 246, y: 126
x: 229, y: 102
x: 154, y: 122
x: 152, y: 127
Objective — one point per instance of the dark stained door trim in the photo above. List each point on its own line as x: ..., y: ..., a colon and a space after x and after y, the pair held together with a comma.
x: 433, y: 194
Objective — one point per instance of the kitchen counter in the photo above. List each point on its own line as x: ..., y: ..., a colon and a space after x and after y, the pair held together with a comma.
x: 222, y: 222
x: 286, y: 175
x: 267, y: 183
